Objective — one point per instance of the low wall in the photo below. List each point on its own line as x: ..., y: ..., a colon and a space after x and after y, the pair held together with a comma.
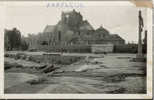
x: 126, y: 48
x: 68, y: 48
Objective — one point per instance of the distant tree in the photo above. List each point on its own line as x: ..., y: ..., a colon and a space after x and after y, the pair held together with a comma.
x: 12, y: 39
x: 6, y: 40
x: 24, y: 45
x: 44, y: 43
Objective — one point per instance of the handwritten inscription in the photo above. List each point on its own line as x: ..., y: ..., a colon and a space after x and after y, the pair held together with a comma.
x: 65, y: 5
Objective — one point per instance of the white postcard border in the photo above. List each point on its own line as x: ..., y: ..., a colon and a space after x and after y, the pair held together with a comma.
x: 78, y: 96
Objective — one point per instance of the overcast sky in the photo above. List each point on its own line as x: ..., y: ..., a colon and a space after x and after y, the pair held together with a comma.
x: 122, y: 20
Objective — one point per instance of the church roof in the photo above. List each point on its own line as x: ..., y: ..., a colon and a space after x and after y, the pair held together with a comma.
x: 102, y: 29
x: 49, y: 28
x: 86, y: 26
x: 116, y: 37
x: 113, y: 37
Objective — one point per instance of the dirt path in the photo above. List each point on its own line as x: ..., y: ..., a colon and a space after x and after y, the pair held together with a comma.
x: 72, y: 85
x: 17, y: 78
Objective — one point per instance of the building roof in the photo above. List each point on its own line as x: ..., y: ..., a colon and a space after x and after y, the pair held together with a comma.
x: 108, y: 38
x: 116, y: 37
x: 49, y: 28
x: 101, y: 29
x: 86, y: 26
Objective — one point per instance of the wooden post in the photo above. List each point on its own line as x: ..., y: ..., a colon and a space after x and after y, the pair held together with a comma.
x: 140, y: 54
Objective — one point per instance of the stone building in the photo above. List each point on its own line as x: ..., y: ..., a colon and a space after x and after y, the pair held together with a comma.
x: 73, y: 30
x: 102, y: 48
x: 102, y: 36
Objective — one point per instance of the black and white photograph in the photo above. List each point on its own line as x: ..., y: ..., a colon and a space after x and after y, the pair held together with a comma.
x: 75, y: 48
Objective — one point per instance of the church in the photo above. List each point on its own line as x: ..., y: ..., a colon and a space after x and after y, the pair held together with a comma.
x: 73, y: 32
x: 72, y: 29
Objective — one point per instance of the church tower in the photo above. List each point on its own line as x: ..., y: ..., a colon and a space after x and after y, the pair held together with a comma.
x: 63, y: 18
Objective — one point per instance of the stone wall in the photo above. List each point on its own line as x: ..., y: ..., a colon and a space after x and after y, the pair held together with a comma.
x: 102, y: 48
